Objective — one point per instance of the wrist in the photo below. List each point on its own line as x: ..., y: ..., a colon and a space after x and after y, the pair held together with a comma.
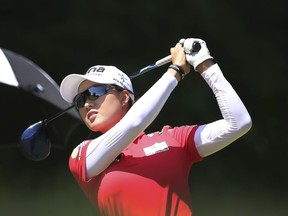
x: 179, y: 71
x: 174, y: 74
x: 203, y: 66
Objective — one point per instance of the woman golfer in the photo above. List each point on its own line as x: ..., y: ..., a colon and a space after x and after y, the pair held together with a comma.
x: 126, y: 172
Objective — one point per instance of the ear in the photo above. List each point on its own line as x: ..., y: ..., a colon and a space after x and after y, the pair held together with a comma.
x: 125, y: 97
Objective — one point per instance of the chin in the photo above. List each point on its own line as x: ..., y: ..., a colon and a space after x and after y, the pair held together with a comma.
x: 95, y: 127
x: 91, y: 126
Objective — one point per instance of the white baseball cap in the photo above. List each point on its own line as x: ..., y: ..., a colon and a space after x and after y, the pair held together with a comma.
x: 101, y: 74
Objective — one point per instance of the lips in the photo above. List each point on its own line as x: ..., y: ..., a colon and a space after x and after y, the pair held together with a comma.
x: 91, y: 115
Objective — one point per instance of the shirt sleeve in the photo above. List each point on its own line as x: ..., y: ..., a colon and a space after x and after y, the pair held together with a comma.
x: 77, y: 166
x: 77, y: 162
x: 185, y: 138
x: 104, y: 149
x: 212, y: 137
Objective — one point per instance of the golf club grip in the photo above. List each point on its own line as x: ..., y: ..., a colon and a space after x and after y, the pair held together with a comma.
x: 163, y: 61
x: 196, y: 46
x: 158, y: 63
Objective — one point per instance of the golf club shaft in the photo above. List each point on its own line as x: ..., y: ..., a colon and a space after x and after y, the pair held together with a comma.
x: 46, y: 121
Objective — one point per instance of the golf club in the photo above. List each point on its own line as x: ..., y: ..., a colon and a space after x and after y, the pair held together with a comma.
x: 35, y: 144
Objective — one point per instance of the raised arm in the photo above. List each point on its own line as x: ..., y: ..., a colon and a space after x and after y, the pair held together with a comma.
x: 236, y: 121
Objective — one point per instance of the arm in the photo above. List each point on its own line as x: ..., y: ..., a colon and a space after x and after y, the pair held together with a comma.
x: 103, y: 150
x: 236, y: 120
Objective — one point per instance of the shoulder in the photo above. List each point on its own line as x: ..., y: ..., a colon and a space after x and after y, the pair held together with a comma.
x: 78, y: 150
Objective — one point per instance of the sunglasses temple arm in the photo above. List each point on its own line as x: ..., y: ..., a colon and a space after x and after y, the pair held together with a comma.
x: 46, y: 121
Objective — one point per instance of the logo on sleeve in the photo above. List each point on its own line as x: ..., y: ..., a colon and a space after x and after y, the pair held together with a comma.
x: 75, y: 153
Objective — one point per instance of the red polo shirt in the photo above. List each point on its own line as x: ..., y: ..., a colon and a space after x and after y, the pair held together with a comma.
x: 150, y: 179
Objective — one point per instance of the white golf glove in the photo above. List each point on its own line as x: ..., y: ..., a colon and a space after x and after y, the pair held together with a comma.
x: 195, y: 57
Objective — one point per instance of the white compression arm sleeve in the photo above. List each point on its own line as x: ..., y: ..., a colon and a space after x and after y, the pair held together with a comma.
x: 103, y: 150
x: 236, y: 120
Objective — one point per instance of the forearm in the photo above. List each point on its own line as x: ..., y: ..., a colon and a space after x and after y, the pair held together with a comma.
x: 236, y: 120
x: 103, y: 150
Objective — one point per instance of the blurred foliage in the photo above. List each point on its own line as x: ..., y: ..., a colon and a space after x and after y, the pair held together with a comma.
x: 246, y: 38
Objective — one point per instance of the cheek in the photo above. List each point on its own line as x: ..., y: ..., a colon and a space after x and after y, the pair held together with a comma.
x: 110, y: 111
x: 111, y: 106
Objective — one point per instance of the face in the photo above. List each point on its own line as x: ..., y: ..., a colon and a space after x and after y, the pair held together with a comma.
x: 103, y: 113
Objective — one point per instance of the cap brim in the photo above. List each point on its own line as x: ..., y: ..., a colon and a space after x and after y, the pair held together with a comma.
x: 70, y: 84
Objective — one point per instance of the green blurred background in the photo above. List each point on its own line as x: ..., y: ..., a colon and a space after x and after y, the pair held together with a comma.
x: 247, y: 38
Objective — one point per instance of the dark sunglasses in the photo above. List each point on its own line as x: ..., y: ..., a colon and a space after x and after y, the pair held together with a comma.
x: 93, y: 93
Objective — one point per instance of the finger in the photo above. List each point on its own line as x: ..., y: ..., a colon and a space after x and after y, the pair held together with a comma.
x: 178, y: 45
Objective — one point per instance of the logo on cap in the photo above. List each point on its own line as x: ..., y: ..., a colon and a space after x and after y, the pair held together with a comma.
x: 95, y: 69
x: 120, y: 80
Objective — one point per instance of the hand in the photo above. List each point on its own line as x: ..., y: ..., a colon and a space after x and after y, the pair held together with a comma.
x: 179, y: 58
x: 195, y: 57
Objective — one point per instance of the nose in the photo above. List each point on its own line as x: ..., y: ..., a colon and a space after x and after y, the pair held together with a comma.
x: 89, y: 104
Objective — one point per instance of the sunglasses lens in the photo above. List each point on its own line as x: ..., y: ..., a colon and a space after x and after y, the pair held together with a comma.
x: 80, y: 100
x: 93, y: 93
